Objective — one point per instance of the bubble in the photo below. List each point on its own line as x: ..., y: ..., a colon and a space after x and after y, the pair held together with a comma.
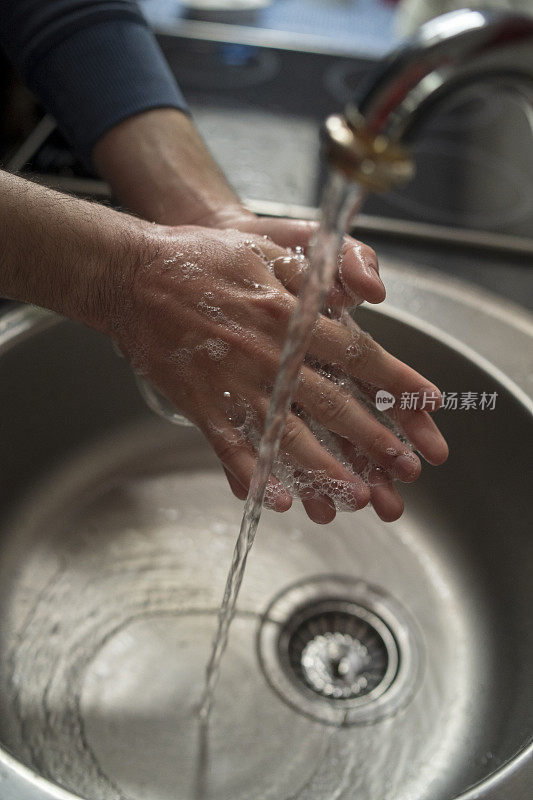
x: 272, y: 493
x: 354, y: 350
x: 242, y: 418
x: 190, y: 269
x: 256, y: 286
x: 217, y: 315
x: 217, y: 349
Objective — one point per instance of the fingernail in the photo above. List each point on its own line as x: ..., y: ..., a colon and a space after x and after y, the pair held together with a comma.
x: 430, y: 397
x: 371, y: 271
x: 407, y: 466
x: 432, y: 445
x: 378, y: 280
x: 371, y: 268
x: 359, y: 500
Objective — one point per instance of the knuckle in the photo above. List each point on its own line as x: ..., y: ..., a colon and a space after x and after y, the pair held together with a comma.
x: 275, y: 307
x: 225, y: 449
x: 331, y: 407
x: 292, y: 433
x: 381, y: 443
x: 363, y: 359
x: 361, y: 352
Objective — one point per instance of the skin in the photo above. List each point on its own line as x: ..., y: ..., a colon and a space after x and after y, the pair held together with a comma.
x: 198, y: 269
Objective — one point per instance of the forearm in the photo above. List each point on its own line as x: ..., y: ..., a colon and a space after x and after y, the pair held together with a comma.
x: 91, y: 63
x: 159, y: 168
x: 64, y: 254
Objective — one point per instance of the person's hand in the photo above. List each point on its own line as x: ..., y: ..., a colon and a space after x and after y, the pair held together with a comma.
x: 203, y: 313
x: 358, y: 273
x: 159, y: 168
x: 205, y: 320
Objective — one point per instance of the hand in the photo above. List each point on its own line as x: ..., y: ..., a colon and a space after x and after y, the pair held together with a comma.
x: 357, y: 279
x: 159, y: 168
x: 203, y: 312
x: 205, y: 321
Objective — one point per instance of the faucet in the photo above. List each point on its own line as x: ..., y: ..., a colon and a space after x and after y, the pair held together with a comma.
x: 368, y: 143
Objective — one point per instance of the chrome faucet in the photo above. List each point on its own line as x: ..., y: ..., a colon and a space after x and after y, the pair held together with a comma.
x: 455, y: 50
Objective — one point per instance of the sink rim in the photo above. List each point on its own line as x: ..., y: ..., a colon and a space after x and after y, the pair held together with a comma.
x: 20, y: 321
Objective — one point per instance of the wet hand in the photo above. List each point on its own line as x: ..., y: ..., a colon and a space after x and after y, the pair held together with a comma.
x: 205, y: 321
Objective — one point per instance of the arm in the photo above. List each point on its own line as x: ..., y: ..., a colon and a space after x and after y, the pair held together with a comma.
x: 61, y: 253
x: 160, y: 168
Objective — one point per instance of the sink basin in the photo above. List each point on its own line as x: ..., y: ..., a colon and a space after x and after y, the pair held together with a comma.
x: 116, y: 534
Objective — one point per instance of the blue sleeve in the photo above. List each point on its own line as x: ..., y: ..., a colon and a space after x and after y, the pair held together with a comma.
x: 91, y: 63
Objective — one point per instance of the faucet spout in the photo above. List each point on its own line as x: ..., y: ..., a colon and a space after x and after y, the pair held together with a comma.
x: 449, y: 53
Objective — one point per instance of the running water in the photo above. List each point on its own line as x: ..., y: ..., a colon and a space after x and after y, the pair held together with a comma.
x: 341, y: 201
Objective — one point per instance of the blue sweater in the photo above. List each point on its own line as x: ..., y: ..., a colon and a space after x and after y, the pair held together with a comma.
x: 91, y: 63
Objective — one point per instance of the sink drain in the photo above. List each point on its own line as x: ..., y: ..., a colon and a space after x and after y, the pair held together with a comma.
x: 339, y: 650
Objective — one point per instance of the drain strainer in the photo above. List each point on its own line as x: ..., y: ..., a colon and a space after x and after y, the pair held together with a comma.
x: 339, y: 650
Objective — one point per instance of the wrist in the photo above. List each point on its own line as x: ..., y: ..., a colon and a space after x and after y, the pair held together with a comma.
x: 159, y: 168
x: 126, y: 247
x: 64, y: 254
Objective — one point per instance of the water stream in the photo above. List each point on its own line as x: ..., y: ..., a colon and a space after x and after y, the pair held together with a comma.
x: 341, y: 201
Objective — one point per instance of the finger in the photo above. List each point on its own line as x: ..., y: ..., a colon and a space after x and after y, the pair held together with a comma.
x: 290, y: 270
x: 418, y: 426
x: 384, y: 495
x: 239, y: 459
x: 424, y: 434
x: 238, y: 490
x: 359, y: 355
x: 355, y: 281
x: 327, y: 476
x: 285, y: 232
x: 387, y: 501
x: 358, y: 272
x: 358, y: 276
x: 342, y: 414
x: 319, y: 509
x: 276, y: 496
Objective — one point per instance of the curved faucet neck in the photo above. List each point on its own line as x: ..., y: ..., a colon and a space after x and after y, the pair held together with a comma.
x: 450, y: 52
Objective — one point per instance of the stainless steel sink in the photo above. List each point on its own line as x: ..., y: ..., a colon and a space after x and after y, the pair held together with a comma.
x: 115, y: 538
